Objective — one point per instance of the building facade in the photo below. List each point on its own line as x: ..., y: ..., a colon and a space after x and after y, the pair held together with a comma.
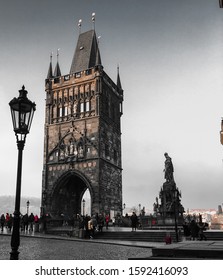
x: 82, y: 143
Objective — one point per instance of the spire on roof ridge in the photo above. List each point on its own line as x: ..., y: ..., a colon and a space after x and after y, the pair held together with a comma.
x: 50, y: 70
x: 57, y: 71
x: 119, y: 85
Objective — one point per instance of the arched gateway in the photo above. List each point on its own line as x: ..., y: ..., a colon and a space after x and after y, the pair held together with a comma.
x: 82, y: 143
x: 68, y: 193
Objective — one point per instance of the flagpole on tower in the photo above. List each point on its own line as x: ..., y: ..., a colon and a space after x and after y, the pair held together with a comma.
x: 79, y: 25
x: 93, y: 20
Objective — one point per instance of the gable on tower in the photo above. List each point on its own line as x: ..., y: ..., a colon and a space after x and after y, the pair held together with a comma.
x: 87, y: 54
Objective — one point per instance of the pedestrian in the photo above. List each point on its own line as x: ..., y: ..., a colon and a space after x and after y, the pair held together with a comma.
x: 194, y: 230
x: 31, y: 221
x: 7, y: 217
x: 187, y: 233
x: 134, y: 221
x: 201, y: 234
x: 107, y: 219
x: 168, y: 238
x: 2, y: 221
x: 25, y: 219
x: 91, y: 228
x: 10, y: 222
x: 87, y: 231
x: 100, y: 223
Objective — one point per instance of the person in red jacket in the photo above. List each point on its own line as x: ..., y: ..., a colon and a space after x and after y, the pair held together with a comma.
x: 107, y: 219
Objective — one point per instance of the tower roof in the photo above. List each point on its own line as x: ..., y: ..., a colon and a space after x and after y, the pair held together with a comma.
x: 87, y: 53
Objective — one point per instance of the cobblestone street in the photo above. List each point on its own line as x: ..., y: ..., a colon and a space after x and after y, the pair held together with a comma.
x: 32, y: 248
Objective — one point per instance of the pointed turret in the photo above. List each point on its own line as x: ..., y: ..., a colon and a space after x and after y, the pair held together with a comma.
x: 87, y: 54
x: 57, y: 72
x: 119, y: 85
x: 50, y: 71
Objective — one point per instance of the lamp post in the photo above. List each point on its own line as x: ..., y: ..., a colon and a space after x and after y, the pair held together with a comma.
x: 221, y: 3
x: 27, y: 204
x: 83, y: 207
x: 22, y: 110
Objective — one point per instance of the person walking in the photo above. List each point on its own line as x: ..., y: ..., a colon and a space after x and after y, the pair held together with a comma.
x: 134, y: 221
x: 201, y: 234
x: 25, y: 222
x: 194, y: 230
x: 91, y: 228
x: 31, y: 221
x: 107, y: 219
x: 7, y: 217
x: 2, y: 221
x: 10, y: 222
x: 100, y: 223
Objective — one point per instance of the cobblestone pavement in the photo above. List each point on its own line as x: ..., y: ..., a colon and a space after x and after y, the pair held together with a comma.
x: 52, y: 249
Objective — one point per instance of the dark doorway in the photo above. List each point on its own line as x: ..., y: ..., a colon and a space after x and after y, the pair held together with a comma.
x: 68, y: 195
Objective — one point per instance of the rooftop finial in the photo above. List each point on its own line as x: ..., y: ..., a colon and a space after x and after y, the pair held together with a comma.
x: 99, y: 37
x: 79, y: 25
x: 58, y: 54
x: 51, y: 57
x: 93, y: 20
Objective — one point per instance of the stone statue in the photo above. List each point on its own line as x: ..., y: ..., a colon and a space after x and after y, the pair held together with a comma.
x: 168, y: 170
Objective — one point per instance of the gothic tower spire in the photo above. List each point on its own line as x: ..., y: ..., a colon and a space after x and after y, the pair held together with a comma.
x: 57, y: 72
x: 50, y: 71
x: 119, y: 85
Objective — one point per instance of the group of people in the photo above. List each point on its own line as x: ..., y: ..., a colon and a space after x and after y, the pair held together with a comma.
x: 6, y: 221
x: 93, y: 223
x: 26, y: 222
x: 97, y: 222
x: 195, y: 230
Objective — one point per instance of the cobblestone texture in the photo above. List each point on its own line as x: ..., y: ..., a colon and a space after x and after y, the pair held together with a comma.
x: 51, y: 249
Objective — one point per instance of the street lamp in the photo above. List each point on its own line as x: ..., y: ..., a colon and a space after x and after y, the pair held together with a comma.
x: 22, y: 110
x: 27, y: 204
x: 221, y: 3
x: 139, y: 208
x: 83, y: 207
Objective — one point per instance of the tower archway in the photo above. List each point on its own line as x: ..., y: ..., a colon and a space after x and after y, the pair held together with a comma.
x: 68, y: 194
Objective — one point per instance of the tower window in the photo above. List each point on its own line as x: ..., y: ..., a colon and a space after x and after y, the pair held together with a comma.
x: 82, y: 107
x: 78, y: 75
x: 87, y: 106
x: 60, y: 112
x: 88, y: 71
x: 66, y: 111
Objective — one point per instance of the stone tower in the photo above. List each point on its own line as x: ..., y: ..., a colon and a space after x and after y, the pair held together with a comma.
x: 82, y: 143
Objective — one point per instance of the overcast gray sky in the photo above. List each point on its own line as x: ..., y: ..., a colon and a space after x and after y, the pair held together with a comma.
x: 171, y: 66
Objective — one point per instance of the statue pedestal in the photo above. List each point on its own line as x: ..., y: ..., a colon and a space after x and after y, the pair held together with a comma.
x: 170, y: 211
